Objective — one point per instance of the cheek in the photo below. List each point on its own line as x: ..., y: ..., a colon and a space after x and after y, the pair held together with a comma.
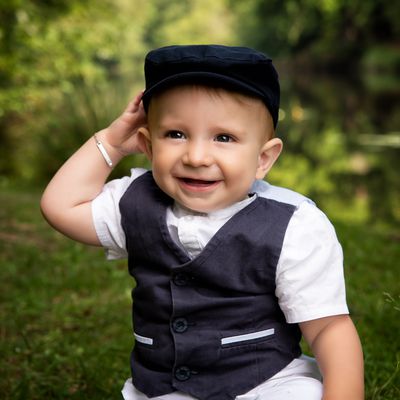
x: 163, y: 166
x: 243, y: 163
x: 160, y: 156
x: 161, y: 176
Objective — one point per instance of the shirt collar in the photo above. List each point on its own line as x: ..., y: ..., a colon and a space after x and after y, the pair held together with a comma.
x: 224, y: 213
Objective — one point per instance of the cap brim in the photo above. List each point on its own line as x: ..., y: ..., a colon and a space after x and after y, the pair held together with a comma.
x: 199, y: 77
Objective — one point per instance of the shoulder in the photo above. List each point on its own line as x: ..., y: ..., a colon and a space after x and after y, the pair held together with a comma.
x: 307, y: 220
x: 280, y: 194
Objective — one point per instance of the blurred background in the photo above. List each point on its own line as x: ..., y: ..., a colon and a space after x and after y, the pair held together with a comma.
x: 68, y: 68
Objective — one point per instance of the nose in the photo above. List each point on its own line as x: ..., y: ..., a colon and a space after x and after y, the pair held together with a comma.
x: 197, y: 154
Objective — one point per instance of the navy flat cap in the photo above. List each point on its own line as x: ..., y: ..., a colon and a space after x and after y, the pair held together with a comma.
x: 236, y: 68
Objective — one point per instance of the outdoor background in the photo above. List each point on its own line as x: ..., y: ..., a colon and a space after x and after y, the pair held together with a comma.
x: 67, y: 69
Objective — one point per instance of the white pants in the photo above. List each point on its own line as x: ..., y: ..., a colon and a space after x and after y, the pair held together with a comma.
x: 300, y: 380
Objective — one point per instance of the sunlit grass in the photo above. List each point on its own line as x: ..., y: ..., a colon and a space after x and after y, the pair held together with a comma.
x: 65, y: 311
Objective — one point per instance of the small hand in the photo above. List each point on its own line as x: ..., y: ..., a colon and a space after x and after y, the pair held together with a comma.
x: 122, y: 134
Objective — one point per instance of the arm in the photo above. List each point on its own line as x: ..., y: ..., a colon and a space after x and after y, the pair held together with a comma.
x: 336, y: 346
x: 66, y: 202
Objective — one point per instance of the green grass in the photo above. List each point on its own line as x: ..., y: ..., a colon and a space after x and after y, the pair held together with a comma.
x: 65, y: 312
x: 373, y: 290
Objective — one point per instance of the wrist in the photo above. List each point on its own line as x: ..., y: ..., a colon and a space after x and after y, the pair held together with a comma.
x: 110, y: 154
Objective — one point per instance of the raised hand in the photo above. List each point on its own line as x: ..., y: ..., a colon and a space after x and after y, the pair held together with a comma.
x: 122, y: 135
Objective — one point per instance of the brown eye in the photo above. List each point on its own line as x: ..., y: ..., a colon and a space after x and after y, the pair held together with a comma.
x: 224, y: 138
x: 175, y: 135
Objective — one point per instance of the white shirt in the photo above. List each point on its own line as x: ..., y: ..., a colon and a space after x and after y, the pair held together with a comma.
x: 309, y: 276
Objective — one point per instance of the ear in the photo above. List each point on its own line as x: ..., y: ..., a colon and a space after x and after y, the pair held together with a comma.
x: 269, y: 153
x: 144, y: 138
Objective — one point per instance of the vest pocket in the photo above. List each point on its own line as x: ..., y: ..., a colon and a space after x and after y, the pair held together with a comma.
x: 253, y: 337
x: 143, y: 339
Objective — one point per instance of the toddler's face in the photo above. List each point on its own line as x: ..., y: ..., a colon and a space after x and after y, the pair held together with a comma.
x: 208, y: 147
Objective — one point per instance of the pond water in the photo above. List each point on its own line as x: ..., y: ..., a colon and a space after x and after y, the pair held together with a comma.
x: 342, y: 143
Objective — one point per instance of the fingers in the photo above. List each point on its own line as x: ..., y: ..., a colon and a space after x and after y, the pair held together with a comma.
x: 138, y: 97
x: 133, y: 105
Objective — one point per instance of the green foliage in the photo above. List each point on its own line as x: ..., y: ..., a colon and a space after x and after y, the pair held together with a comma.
x: 55, y: 51
x: 51, y: 65
x: 328, y: 31
x: 189, y: 21
x: 338, y: 149
x: 69, y: 68
x: 382, y: 59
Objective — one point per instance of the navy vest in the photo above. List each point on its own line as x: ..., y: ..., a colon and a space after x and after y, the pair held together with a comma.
x: 210, y: 327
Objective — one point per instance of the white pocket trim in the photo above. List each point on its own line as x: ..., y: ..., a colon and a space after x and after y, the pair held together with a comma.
x: 248, y: 336
x: 143, y: 339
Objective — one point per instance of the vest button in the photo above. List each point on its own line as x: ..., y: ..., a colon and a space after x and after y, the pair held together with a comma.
x: 180, y: 325
x: 181, y: 279
x: 182, y: 373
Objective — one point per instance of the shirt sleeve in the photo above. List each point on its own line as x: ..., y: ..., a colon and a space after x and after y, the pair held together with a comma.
x: 107, y: 217
x: 309, y: 277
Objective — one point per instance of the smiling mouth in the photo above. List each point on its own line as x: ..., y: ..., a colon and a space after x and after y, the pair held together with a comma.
x: 198, y: 184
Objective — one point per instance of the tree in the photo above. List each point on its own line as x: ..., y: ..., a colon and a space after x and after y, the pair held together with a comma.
x: 68, y: 67
x: 58, y: 56
x: 326, y: 32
